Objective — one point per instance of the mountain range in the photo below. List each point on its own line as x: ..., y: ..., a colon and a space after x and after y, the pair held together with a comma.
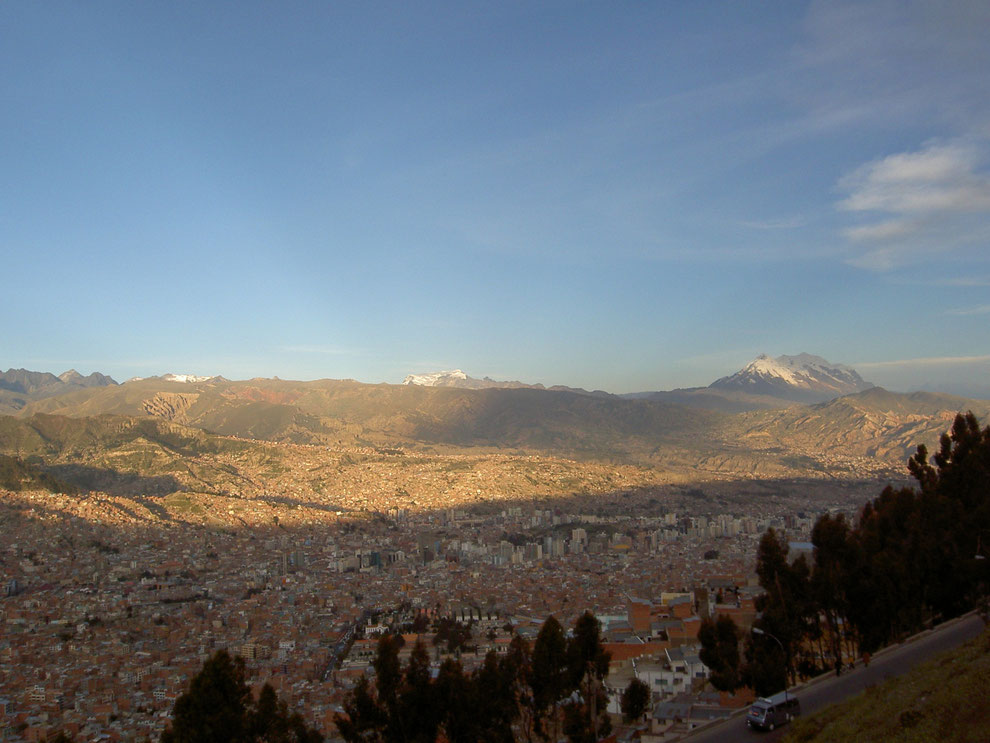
x: 762, y: 384
x: 718, y: 431
x: 460, y: 380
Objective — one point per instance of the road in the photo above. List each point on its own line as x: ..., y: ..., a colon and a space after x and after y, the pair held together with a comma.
x: 820, y: 693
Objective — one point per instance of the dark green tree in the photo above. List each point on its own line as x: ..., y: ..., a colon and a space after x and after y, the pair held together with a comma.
x: 452, y: 634
x: 418, y: 711
x: 765, y: 668
x: 720, y: 652
x: 586, y: 717
x: 493, y: 687
x: 635, y: 700
x: 585, y: 654
x: 364, y: 719
x: 215, y: 708
x: 549, y: 677
x: 455, y: 696
x: 219, y: 707
x: 836, y: 568
x: 787, y: 609
x: 517, y: 667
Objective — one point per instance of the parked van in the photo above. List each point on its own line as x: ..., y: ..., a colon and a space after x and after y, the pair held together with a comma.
x: 770, y: 712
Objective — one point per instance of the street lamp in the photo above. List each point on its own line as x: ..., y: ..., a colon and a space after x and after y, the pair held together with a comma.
x: 758, y: 631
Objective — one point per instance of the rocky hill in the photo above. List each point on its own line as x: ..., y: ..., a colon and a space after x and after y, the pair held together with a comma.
x: 871, y: 424
x: 19, y: 387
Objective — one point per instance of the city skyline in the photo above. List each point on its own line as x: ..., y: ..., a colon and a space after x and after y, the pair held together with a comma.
x: 624, y: 197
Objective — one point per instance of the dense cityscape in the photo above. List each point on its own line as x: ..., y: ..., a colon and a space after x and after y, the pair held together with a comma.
x: 303, y: 599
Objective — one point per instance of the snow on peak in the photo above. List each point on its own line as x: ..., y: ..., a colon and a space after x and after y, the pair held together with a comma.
x: 186, y: 378
x: 436, y: 379
x: 803, y: 372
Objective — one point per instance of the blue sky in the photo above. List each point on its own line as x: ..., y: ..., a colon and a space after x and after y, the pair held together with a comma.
x: 623, y: 195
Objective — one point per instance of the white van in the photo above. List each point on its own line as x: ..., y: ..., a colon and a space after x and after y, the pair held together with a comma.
x: 770, y: 712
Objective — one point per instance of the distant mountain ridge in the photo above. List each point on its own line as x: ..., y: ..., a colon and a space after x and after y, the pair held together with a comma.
x: 458, y: 379
x: 18, y: 387
x: 869, y: 431
x: 183, y: 378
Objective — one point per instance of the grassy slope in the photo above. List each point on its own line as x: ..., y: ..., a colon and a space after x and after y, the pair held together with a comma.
x: 946, y: 700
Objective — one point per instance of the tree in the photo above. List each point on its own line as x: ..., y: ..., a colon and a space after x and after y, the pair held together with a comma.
x: 517, y: 666
x: 586, y: 718
x: 585, y: 654
x: 549, y: 675
x: 219, y: 708
x: 269, y: 720
x: 214, y: 709
x: 836, y: 566
x: 720, y: 652
x: 787, y: 609
x: 418, y: 712
x: 765, y: 669
x: 364, y: 718
x: 453, y: 633
x: 635, y: 700
x: 455, y: 697
x: 495, y: 700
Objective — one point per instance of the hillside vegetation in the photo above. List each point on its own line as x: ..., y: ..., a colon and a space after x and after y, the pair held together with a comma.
x: 946, y: 699
x: 17, y: 475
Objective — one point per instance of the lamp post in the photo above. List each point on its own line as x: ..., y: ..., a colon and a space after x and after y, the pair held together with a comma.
x: 758, y: 631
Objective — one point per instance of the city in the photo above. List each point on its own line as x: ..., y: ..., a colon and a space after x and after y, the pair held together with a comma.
x: 303, y: 602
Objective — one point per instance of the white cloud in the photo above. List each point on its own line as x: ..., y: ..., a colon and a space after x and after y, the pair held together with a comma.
x: 881, y: 231
x: 929, y: 201
x: 940, y: 178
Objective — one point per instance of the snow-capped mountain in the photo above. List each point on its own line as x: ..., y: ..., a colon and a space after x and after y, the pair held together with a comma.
x: 453, y: 378
x: 457, y: 378
x: 187, y: 378
x: 184, y: 378
x: 803, y: 378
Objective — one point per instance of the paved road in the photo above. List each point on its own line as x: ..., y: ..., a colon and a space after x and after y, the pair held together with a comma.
x: 823, y: 692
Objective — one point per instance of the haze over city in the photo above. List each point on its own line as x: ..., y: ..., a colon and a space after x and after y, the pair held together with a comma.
x: 620, y: 196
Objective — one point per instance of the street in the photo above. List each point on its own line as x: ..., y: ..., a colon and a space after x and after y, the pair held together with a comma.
x: 894, y: 661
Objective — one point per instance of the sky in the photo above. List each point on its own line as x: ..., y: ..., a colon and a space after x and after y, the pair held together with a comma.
x: 611, y: 195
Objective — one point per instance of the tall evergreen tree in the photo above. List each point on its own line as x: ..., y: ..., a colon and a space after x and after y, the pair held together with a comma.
x: 586, y: 717
x: 720, y: 652
x: 635, y: 700
x: 218, y: 707
x: 214, y: 709
x: 549, y: 676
